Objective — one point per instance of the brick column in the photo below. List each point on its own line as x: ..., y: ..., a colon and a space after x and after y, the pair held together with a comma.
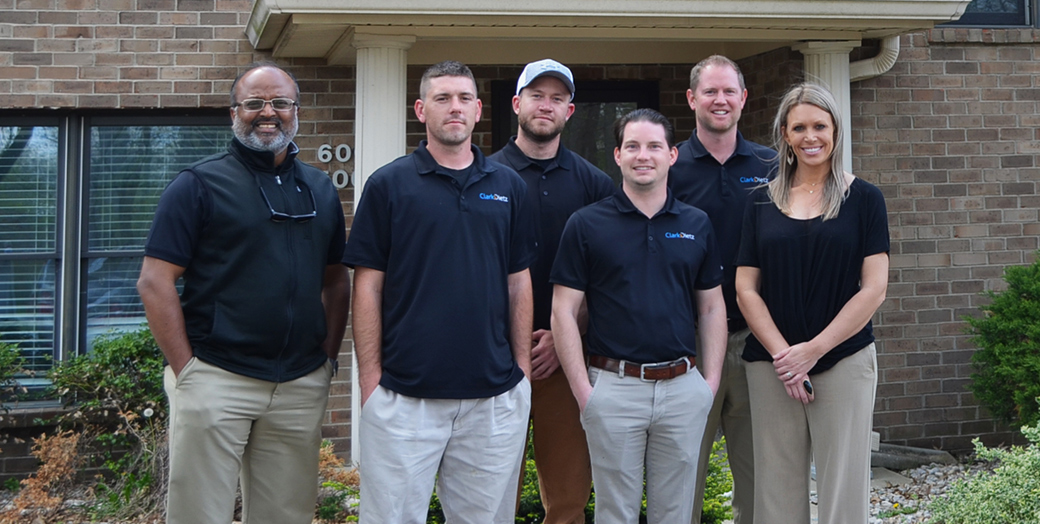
x: 828, y: 64
x: 379, y: 137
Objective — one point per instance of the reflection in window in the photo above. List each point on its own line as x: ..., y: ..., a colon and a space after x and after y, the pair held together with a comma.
x: 130, y: 167
x: 990, y: 13
x: 28, y: 240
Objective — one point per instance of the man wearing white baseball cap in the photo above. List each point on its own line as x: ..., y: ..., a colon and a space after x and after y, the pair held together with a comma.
x: 559, y: 182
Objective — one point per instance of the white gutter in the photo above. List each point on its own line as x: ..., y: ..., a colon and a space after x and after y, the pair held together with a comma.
x: 879, y: 65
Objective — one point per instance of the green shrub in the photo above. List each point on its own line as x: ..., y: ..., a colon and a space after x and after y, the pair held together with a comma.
x: 1010, y: 494
x: 1007, y: 365
x: 115, y: 397
x: 12, y: 364
x: 121, y: 375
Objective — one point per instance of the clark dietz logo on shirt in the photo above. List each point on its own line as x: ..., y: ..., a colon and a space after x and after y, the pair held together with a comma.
x: 684, y: 236
x: 754, y: 180
x: 494, y: 196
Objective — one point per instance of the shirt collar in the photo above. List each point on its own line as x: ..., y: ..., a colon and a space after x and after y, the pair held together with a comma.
x: 263, y: 160
x: 426, y: 165
x: 519, y: 161
x: 698, y: 149
x: 625, y: 205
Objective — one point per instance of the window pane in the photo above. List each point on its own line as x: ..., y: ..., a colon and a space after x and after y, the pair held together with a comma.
x: 27, y: 309
x: 990, y: 13
x: 590, y: 133
x: 28, y: 189
x: 129, y: 168
x: 112, y: 300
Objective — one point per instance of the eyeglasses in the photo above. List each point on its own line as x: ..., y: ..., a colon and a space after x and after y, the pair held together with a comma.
x: 252, y: 105
x: 278, y: 216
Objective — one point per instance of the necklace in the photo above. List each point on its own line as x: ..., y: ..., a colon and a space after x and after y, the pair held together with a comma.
x: 811, y: 191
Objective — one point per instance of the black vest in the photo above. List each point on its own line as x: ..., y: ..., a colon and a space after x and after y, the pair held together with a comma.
x: 252, y: 292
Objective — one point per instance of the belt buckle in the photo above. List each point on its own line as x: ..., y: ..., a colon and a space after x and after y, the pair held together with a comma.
x: 644, y: 367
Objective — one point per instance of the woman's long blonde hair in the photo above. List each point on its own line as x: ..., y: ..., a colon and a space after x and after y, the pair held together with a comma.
x: 835, y: 189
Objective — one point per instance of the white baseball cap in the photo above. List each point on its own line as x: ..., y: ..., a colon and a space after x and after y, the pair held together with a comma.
x: 545, y: 67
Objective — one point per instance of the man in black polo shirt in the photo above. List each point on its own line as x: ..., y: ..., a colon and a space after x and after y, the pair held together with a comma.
x: 559, y: 182
x: 649, y: 269
x: 715, y: 172
x: 442, y: 320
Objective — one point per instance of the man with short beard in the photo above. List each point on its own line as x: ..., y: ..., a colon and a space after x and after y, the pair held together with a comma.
x: 715, y: 172
x: 559, y: 182
x: 442, y: 320
x: 251, y: 342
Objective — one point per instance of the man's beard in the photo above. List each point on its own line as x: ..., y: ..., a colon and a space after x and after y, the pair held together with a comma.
x: 244, y: 132
x: 540, y: 136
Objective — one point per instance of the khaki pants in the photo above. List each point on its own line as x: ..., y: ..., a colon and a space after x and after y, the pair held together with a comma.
x: 834, y: 429
x: 656, y: 426
x: 472, y: 447
x: 225, y: 426
x: 732, y: 410
x: 561, y: 453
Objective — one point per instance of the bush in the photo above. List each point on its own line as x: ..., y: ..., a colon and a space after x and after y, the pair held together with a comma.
x: 115, y: 397
x: 12, y: 364
x: 1007, y: 365
x: 1011, y: 493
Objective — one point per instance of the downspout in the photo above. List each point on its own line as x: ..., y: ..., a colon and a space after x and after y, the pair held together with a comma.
x: 879, y: 65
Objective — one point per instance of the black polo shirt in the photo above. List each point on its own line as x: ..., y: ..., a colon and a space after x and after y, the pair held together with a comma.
x: 639, y: 276
x: 721, y: 190
x: 447, y: 251
x: 567, y: 184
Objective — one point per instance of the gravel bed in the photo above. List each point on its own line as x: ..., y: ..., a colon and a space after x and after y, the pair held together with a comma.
x: 926, y: 483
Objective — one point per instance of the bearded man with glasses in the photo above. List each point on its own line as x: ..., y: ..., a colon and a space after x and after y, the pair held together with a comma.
x: 251, y: 343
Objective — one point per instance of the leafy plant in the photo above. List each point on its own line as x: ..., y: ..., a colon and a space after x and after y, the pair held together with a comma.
x: 718, y: 483
x: 115, y: 397
x: 42, y: 494
x: 1011, y: 493
x: 1007, y: 365
x: 12, y: 364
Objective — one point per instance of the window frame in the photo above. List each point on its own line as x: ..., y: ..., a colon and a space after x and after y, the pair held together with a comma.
x: 71, y: 254
x: 1027, y: 18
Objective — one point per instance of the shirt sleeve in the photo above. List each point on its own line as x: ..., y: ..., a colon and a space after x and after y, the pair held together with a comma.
x: 370, y: 234
x: 710, y: 273
x: 571, y: 265
x: 182, y: 212
x: 875, y: 222
x: 747, y: 253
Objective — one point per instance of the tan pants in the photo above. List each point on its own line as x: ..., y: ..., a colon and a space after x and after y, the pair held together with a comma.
x: 635, y: 426
x: 834, y: 429
x: 224, y: 426
x: 732, y: 410
x: 561, y: 453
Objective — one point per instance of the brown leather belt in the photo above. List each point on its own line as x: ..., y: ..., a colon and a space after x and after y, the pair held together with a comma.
x: 648, y: 372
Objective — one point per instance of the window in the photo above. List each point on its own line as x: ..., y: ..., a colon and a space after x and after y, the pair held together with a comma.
x: 589, y: 132
x: 76, y: 212
x: 995, y: 13
x: 29, y: 167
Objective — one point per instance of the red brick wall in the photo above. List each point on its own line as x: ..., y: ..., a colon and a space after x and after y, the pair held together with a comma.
x: 949, y: 134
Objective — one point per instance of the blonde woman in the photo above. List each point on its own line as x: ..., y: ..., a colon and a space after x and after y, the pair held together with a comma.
x: 811, y: 271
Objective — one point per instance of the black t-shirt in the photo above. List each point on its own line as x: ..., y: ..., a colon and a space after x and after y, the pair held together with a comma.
x: 556, y: 188
x: 811, y: 268
x: 721, y: 191
x: 639, y: 275
x: 447, y: 251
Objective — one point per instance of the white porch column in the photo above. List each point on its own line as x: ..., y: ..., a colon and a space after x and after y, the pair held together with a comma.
x: 827, y: 63
x: 380, y: 109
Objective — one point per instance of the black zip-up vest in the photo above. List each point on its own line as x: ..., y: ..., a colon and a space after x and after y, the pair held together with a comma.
x: 252, y: 292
